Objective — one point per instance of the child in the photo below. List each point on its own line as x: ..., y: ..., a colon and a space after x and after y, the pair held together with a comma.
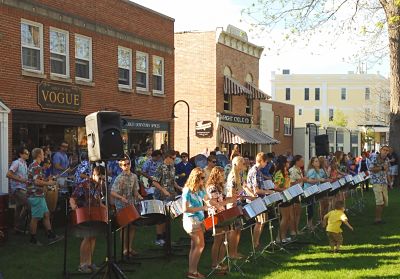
x: 335, y: 219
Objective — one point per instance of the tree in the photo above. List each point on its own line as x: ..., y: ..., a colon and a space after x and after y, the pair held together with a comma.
x: 339, y: 119
x: 374, y: 22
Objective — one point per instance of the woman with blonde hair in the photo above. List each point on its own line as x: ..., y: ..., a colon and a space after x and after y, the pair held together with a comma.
x: 323, y: 202
x: 234, y: 186
x: 193, y: 195
x: 215, y: 188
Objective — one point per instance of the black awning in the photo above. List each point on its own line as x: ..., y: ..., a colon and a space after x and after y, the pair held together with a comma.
x: 50, y: 118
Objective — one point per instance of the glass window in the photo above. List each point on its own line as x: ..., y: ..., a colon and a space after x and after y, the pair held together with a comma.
x: 287, y: 125
x: 83, y: 57
x: 227, y: 102
x: 277, y: 122
x: 59, y: 53
x: 317, y: 94
x: 142, y: 66
x: 249, y: 105
x: 343, y: 94
x: 124, y: 67
x: 287, y: 94
x: 300, y: 111
x: 367, y: 93
x: 32, y: 46
x: 316, y: 115
x: 306, y: 94
x: 331, y: 114
x: 158, y: 75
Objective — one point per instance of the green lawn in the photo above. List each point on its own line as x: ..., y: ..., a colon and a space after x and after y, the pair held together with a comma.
x: 369, y: 252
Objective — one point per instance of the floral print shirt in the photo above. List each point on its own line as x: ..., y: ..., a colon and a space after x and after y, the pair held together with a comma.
x: 87, y: 194
x: 35, y: 171
x: 126, y: 184
x: 165, y: 175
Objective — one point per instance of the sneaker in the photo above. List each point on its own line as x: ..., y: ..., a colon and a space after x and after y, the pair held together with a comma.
x: 54, y: 238
x: 159, y: 242
x: 84, y: 268
x: 35, y: 242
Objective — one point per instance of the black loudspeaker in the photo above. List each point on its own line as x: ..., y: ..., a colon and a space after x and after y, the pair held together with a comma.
x: 103, y: 130
x: 322, y: 145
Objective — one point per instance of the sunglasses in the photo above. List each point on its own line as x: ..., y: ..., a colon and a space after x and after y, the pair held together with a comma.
x: 125, y: 164
x: 214, y: 162
x: 184, y: 156
x: 26, y: 152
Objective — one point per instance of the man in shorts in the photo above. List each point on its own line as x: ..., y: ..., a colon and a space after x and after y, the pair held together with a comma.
x: 379, y: 167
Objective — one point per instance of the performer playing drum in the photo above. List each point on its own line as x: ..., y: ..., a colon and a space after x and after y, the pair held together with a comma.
x: 88, y: 194
x: 125, y: 191
x: 255, y: 181
x: 166, y: 188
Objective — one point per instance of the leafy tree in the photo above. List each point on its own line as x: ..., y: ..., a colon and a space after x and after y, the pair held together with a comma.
x: 339, y: 119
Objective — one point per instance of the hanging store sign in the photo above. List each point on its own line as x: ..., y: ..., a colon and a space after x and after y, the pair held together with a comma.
x: 204, y: 129
x: 235, y: 118
x: 54, y: 96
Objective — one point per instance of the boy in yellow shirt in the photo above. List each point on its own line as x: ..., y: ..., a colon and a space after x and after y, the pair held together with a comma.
x: 335, y: 219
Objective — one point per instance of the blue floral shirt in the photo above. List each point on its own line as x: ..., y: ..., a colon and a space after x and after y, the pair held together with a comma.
x: 255, y: 178
x: 83, y: 168
x: 113, y: 167
x: 194, y: 200
x: 381, y: 176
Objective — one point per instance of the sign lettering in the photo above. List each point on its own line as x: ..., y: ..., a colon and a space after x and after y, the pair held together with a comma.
x: 235, y: 118
x: 54, y: 96
x: 204, y: 129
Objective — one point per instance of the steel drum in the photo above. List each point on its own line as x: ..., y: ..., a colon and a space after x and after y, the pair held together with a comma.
x: 268, y: 185
x: 51, y: 196
x: 127, y: 215
x: 254, y: 208
x: 310, y: 191
x: 174, y: 208
x: 152, y: 212
x: 272, y: 198
x: 223, y: 218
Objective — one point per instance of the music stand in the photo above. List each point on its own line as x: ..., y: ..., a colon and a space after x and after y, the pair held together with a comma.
x: 309, y: 199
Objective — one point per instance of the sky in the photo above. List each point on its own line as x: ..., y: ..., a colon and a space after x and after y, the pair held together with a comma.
x: 207, y: 15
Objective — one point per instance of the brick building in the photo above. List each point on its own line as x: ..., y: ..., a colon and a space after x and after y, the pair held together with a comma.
x: 61, y: 60
x: 217, y: 74
x: 277, y: 120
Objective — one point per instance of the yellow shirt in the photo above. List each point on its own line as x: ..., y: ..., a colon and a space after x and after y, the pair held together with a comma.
x: 335, y: 219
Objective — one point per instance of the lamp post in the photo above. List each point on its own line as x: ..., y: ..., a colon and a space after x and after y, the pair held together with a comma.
x: 308, y: 125
x: 188, y: 122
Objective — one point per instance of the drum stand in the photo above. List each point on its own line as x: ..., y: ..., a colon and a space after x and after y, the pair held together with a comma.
x: 272, y: 246
x: 109, y: 267
x: 307, y: 229
x: 124, y: 259
x: 230, y: 261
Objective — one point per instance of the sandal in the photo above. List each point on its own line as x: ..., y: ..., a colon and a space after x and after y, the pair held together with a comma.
x: 84, y: 268
x: 195, y: 275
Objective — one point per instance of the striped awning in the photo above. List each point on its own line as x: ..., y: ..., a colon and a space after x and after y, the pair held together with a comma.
x: 233, y: 87
x: 256, y: 92
x: 239, y: 135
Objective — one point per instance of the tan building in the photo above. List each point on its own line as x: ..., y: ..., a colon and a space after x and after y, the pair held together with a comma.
x: 217, y: 74
x: 320, y: 98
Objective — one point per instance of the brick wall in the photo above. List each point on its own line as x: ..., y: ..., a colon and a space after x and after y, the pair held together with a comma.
x: 20, y: 92
x: 286, y: 142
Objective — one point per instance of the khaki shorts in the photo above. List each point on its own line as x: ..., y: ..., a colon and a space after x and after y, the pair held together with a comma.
x: 381, y: 194
x: 192, y: 225
x: 335, y: 238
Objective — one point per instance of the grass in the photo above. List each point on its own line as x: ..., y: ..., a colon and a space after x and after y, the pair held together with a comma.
x: 369, y: 252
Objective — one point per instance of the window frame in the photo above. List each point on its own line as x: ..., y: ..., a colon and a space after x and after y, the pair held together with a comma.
x: 290, y: 133
x: 300, y: 111
x: 287, y: 91
x: 130, y: 68
x: 317, y: 90
x: 343, y: 90
x: 367, y: 92
x: 249, y: 106
x: 277, y: 127
x: 41, y: 46
x: 329, y: 114
x: 67, y: 66
x: 315, y: 114
x: 143, y: 89
x: 90, y: 58
x: 155, y: 91
x: 228, y: 102
x: 306, y: 94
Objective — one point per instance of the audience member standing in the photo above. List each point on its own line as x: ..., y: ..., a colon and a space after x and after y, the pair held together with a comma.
x: 60, y: 160
x: 183, y: 169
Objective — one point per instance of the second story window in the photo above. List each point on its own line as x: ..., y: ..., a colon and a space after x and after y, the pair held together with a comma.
x: 277, y: 123
x: 367, y: 93
x: 32, y: 46
x: 124, y: 67
x: 287, y: 125
x: 331, y: 114
x: 142, y: 69
x: 343, y: 94
x: 158, y: 75
x: 83, y: 57
x: 59, y: 52
x: 300, y: 111
x: 287, y: 97
x: 249, y: 105
x: 227, y: 102
x: 306, y: 94
x: 317, y: 94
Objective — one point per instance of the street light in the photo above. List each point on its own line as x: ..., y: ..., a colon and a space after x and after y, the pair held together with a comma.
x: 308, y: 125
x: 188, y: 122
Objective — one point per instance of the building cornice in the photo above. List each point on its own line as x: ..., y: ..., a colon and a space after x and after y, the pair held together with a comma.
x: 240, y: 44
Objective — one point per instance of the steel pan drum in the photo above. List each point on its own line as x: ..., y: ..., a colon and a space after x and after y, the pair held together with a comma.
x: 174, y: 208
x: 254, y: 208
x: 152, y: 212
x: 127, y: 215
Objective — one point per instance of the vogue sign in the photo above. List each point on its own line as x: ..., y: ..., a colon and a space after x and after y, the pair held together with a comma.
x: 59, y: 97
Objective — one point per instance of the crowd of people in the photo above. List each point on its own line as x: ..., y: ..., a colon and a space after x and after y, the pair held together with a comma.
x: 164, y: 175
